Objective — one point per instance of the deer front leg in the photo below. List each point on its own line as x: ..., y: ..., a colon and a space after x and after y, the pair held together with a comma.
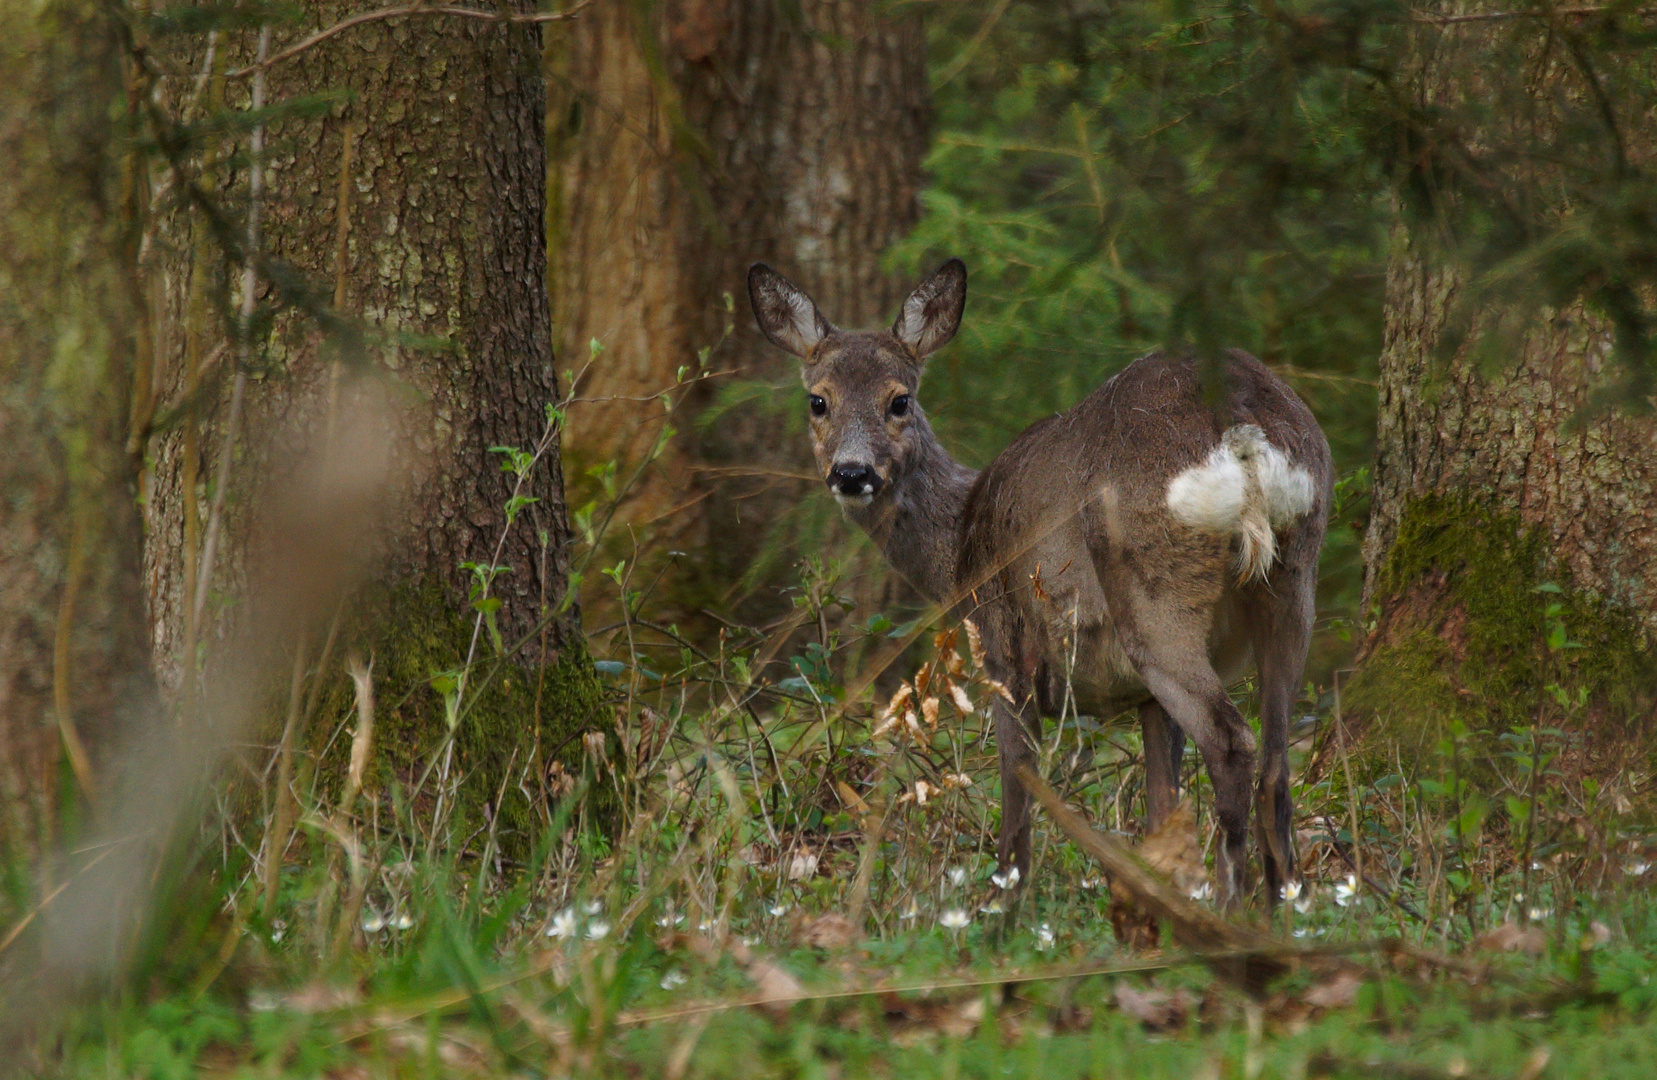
x: 1016, y: 732
x: 1164, y: 744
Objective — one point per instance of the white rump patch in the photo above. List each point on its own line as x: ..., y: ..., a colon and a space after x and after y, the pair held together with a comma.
x: 1287, y: 486
x: 1211, y: 495
x: 1248, y: 487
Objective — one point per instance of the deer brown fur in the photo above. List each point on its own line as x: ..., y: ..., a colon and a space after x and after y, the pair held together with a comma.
x: 1139, y: 549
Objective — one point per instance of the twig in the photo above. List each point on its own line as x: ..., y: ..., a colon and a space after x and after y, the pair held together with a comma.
x: 1503, y: 16
x: 1255, y: 957
x: 221, y: 480
x: 320, y: 36
x: 1386, y: 894
x: 23, y: 923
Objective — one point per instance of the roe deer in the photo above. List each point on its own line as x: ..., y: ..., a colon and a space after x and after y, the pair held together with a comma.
x: 1139, y: 547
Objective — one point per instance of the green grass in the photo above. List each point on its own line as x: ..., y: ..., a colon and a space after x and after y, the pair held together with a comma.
x: 443, y: 1000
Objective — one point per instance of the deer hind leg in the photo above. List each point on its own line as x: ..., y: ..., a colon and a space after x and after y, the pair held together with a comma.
x: 1166, y: 637
x: 1164, y: 743
x: 1017, y: 729
x: 1280, y: 629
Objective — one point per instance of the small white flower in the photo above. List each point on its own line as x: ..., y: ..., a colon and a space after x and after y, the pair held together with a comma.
x: 1205, y: 891
x: 1636, y: 869
x: 957, y: 875
x: 372, y: 922
x: 278, y: 930
x: 1006, y: 879
x: 1346, y: 893
x: 672, y: 979
x: 597, y: 930
x: 704, y: 927
x: 669, y: 919
x: 803, y: 866
x: 562, y: 925
x: 403, y: 922
x: 1291, y: 892
x: 954, y: 919
x: 1537, y: 914
x: 911, y: 911
x: 1304, y: 905
x: 1093, y: 883
x: 778, y: 909
x: 1301, y: 931
x: 592, y: 907
x: 1044, y: 937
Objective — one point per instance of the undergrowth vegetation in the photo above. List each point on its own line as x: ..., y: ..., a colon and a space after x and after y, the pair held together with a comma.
x: 799, y: 880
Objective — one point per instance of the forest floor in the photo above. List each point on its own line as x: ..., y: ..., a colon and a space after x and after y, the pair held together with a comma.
x: 800, y: 882
x: 487, y: 993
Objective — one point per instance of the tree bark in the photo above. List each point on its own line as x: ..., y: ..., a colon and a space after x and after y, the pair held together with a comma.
x: 1522, y: 440
x: 74, y: 662
x: 697, y: 137
x: 419, y: 207
x: 1514, y: 515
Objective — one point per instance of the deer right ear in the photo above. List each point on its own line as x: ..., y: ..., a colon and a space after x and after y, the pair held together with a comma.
x: 785, y: 314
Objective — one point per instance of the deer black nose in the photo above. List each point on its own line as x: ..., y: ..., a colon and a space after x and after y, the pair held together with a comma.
x: 853, y: 479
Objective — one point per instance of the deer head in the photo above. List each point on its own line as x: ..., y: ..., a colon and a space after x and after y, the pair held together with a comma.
x: 866, y: 427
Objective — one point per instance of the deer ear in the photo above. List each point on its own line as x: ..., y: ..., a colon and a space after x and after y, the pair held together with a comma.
x: 932, y: 313
x: 785, y: 314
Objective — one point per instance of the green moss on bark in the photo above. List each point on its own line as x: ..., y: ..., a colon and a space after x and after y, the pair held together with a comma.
x: 1468, y: 627
x: 516, y: 719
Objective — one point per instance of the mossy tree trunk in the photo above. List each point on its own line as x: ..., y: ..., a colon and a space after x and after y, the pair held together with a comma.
x: 417, y: 203
x: 697, y: 137
x: 1513, y: 530
x: 74, y: 656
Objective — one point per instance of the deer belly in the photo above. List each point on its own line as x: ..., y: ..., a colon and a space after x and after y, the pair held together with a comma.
x: 1097, y: 672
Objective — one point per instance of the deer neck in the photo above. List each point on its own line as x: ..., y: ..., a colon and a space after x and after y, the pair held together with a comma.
x: 917, y: 525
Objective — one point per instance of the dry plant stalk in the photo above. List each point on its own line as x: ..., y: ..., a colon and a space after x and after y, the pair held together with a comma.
x: 1254, y: 959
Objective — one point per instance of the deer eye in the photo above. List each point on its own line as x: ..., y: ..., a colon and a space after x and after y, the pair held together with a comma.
x: 900, y: 405
x: 819, y: 407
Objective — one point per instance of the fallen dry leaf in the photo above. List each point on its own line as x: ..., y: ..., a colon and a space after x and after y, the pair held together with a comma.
x: 775, y: 985
x: 1174, y: 852
x: 830, y: 930
x: 1158, y: 1010
x: 909, y: 1021
x: 1511, y: 937
x: 1336, y: 992
x: 803, y: 866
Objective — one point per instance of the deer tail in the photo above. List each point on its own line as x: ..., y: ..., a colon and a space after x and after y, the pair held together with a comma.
x: 1246, y: 487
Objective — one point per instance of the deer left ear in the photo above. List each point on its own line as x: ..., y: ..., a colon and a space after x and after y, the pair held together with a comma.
x: 932, y: 313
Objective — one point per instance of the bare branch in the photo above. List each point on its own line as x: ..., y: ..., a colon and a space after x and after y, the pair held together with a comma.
x: 1503, y: 16
x: 404, y: 10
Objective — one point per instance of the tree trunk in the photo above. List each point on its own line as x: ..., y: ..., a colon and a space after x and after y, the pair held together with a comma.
x: 1493, y: 482
x: 74, y: 661
x: 439, y: 248
x: 1514, y: 517
x: 700, y: 136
